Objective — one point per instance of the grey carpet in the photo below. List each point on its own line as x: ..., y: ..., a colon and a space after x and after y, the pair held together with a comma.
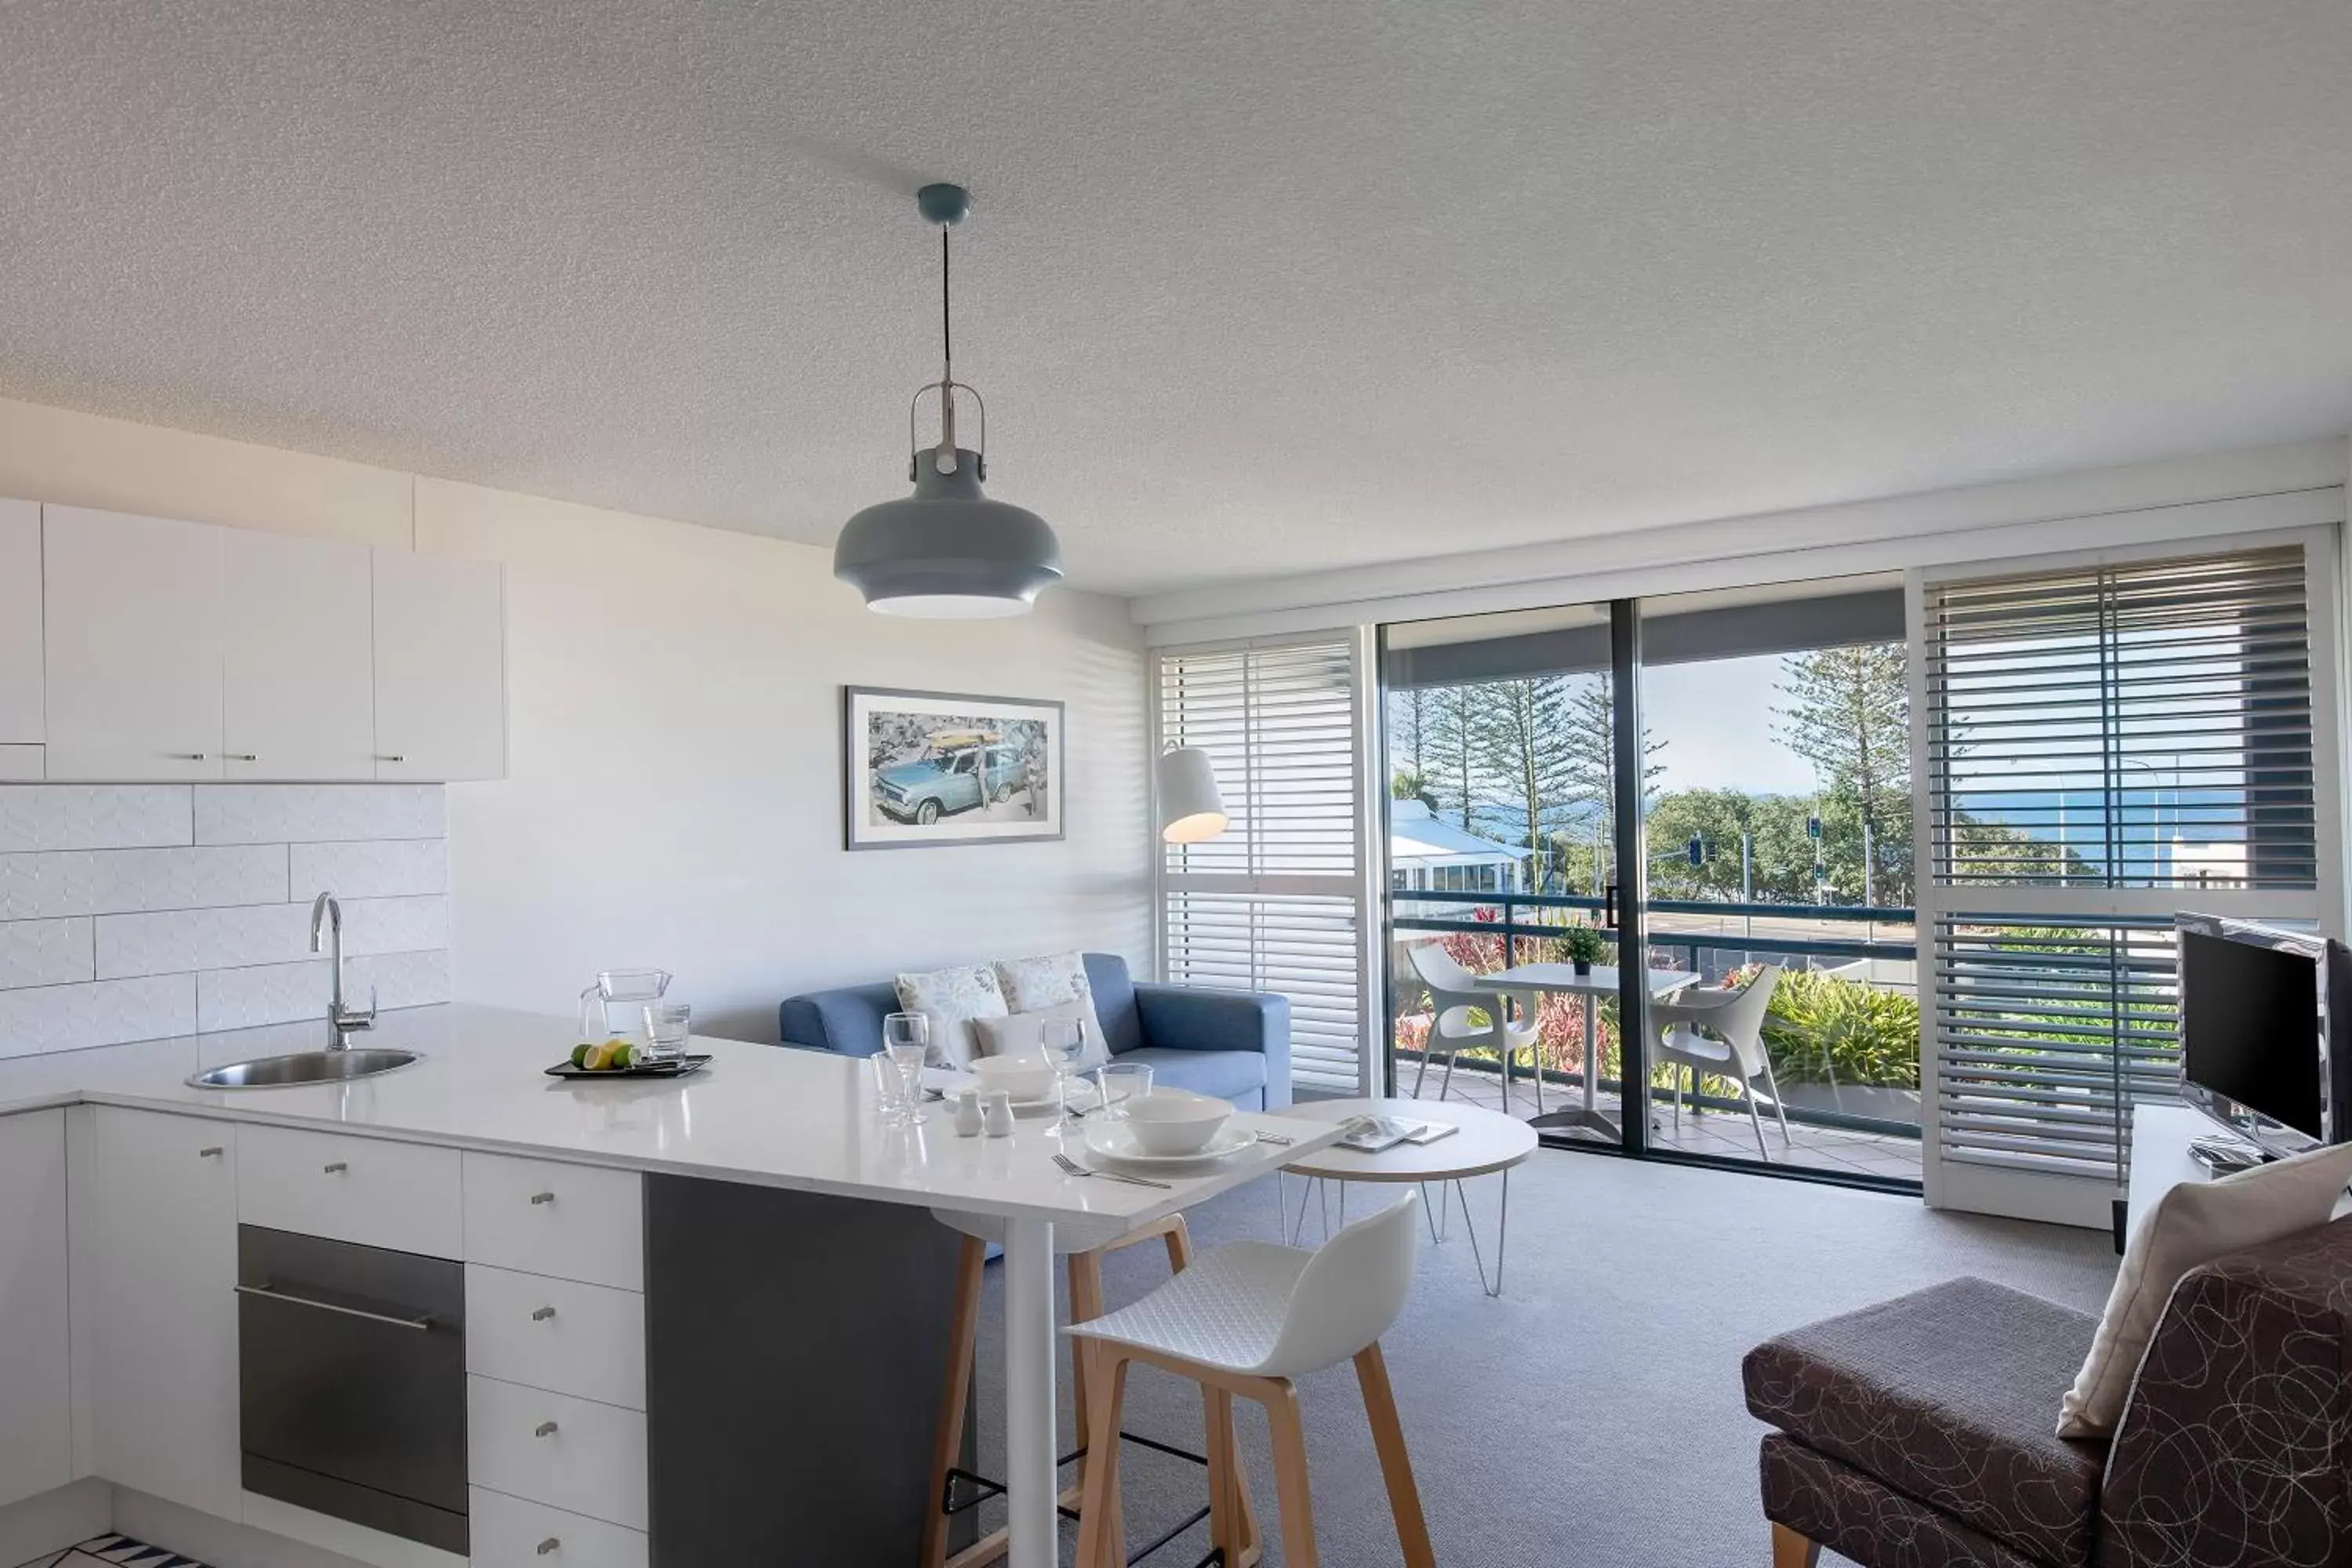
x: 1593, y: 1415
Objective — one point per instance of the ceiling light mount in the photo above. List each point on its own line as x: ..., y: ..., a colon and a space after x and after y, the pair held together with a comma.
x: 948, y: 551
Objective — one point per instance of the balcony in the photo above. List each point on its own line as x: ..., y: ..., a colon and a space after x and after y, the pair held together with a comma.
x: 1842, y: 1028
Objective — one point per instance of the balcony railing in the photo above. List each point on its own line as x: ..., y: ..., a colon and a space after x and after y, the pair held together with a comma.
x: 1846, y: 1058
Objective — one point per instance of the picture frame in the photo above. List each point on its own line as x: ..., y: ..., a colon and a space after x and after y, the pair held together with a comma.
x: 929, y: 768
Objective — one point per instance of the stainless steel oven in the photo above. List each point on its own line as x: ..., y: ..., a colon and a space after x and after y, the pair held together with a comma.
x: 351, y: 1366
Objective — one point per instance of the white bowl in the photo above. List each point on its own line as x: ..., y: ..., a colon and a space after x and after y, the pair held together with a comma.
x: 1022, y: 1078
x: 1171, y: 1122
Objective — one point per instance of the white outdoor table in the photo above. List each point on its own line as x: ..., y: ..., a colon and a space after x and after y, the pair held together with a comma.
x: 1601, y: 980
x: 1489, y: 1141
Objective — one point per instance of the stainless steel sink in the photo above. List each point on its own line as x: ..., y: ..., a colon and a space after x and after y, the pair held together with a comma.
x: 303, y: 1067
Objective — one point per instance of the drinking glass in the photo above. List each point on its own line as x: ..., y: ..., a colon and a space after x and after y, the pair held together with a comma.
x: 906, y: 1047
x: 667, y: 1025
x: 891, y: 1091
x: 1119, y: 1082
x: 1061, y: 1039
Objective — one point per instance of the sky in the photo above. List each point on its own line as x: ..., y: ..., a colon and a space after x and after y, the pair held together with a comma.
x: 1716, y: 718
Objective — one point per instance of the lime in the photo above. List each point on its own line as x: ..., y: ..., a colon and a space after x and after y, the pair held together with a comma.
x: 621, y: 1054
x: 580, y: 1054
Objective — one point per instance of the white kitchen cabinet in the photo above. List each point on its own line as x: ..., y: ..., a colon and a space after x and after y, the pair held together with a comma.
x: 20, y: 623
x: 35, y: 1331
x: 440, y: 667
x: 298, y: 693
x: 162, y: 1322
x: 132, y: 638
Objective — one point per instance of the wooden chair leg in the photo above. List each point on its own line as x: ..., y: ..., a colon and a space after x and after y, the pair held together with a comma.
x: 1085, y: 1304
x: 947, y: 1440
x: 1290, y: 1477
x: 1790, y: 1549
x: 1396, y: 1466
x: 1098, y: 1545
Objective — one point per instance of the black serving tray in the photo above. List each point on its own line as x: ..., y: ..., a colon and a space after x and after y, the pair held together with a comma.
x: 682, y: 1067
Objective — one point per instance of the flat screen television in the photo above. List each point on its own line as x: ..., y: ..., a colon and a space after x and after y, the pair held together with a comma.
x: 2266, y: 1032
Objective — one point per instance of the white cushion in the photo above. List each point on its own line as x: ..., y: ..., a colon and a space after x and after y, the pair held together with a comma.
x: 1032, y: 985
x: 2194, y: 1223
x: 952, y: 999
x: 1020, y: 1033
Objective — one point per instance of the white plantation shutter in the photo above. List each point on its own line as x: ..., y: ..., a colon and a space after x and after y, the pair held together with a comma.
x: 1276, y: 902
x: 2103, y: 742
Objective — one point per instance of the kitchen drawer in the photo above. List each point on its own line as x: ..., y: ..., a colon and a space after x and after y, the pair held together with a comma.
x: 572, y: 1222
x: 510, y: 1532
x: 378, y: 1194
x: 572, y: 1454
x: 557, y: 1334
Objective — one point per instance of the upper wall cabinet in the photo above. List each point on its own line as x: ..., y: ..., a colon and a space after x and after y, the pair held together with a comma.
x: 159, y: 649
x: 132, y: 632
x: 298, y: 687
x: 20, y: 623
x: 440, y: 667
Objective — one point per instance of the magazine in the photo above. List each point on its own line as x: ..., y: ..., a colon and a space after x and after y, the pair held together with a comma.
x: 1371, y: 1135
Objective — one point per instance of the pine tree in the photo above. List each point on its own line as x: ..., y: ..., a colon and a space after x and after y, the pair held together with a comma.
x: 1849, y: 713
x: 1591, y: 739
x: 1526, y: 754
x: 1449, y: 750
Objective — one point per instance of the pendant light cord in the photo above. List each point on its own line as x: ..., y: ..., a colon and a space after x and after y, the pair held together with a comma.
x: 947, y: 320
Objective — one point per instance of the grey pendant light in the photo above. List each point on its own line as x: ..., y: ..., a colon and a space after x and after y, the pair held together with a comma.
x: 947, y: 551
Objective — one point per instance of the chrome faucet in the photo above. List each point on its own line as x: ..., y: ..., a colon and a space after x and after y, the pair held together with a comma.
x: 327, y: 919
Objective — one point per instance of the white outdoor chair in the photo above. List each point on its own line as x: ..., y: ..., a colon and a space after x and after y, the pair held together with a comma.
x: 1453, y: 993
x: 1248, y: 1318
x: 1720, y: 1033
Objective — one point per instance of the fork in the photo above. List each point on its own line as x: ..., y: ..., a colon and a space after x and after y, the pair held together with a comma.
x: 1072, y: 1167
x: 1275, y: 1138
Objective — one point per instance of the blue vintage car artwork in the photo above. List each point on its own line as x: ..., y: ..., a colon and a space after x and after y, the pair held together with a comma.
x: 931, y: 768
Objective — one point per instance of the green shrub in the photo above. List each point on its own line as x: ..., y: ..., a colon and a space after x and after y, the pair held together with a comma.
x: 1819, y: 1025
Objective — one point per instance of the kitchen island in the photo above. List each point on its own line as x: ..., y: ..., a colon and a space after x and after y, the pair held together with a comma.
x: 792, y: 1135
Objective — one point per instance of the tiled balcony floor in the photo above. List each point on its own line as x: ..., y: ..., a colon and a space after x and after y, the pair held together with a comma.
x: 1724, y: 1134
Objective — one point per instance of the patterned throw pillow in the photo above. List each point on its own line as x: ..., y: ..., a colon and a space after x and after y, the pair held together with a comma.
x: 1032, y: 985
x: 952, y: 999
x: 1020, y: 1033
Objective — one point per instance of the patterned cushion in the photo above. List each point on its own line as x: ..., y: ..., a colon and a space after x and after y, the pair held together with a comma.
x: 1033, y: 984
x: 1838, y: 1506
x: 1944, y: 1397
x: 952, y: 999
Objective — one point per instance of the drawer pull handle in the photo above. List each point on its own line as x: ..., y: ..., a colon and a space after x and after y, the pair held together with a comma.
x: 241, y: 756
x: 189, y: 756
x: 392, y: 756
x: 423, y: 1324
x: 214, y: 1152
x: 544, y: 1429
x: 337, y: 1169
x: 541, y: 1315
x: 549, y: 1544
x: 536, y: 1198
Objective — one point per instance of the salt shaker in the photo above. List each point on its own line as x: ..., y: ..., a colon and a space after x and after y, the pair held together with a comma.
x: 967, y: 1113
x: 1000, y: 1115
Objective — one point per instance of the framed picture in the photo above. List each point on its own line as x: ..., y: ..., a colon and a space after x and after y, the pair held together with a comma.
x: 935, y: 767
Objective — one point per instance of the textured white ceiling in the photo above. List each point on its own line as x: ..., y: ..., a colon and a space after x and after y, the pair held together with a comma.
x: 1251, y: 287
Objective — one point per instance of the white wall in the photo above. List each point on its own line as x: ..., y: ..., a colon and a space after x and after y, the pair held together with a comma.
x: 675, y: 796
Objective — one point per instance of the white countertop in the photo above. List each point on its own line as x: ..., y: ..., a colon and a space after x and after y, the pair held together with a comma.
x: 768, y: 1115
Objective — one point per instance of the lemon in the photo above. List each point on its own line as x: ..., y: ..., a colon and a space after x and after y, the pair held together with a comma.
x: 598, y: 1059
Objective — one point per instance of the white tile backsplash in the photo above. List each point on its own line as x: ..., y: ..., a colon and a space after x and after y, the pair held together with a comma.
x: 95, y: 817
x: 383, y: 867
x: 134, y: 911
x: 123, y: 881
x: 106, y: 1012
x: 315, y: 814
x: 44, y: 952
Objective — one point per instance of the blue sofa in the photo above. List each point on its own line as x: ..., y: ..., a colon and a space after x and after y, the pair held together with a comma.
x: 1234, y: 1045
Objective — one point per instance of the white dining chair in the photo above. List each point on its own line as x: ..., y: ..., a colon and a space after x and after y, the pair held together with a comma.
x: 1454, y: 993
x: 1720, y: 1033
x: 1249, y: 1318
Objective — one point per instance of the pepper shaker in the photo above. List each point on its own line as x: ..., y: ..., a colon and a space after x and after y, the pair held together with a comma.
x: 999, y: 1117
x: 967, y: 1113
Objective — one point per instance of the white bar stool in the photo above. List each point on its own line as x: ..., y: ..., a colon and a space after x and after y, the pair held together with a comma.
x: 1085, y: 1255
x: 1246, y: 1319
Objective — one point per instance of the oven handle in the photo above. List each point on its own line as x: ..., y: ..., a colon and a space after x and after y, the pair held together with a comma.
x: 421, y: 1325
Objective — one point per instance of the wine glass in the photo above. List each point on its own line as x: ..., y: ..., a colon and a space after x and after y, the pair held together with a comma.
x: 1061, y: 1039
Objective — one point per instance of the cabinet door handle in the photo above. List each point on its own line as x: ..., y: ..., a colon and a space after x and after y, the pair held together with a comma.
x: 423, y: 1323
x: 241, y: 756
x: 542, y: 1314
x: 337, y: 1169
x: 392, y: 756
x: 214, y: 1152
x: 537, y: 1198
x: 191, y: 756
x: 549, y: 1544
x: 544, y: 1429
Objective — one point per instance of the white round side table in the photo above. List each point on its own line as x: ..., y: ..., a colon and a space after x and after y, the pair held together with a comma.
x: 1487, y: 1142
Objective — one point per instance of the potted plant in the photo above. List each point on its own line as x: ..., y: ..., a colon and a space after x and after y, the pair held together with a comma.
x: 1584, y: 943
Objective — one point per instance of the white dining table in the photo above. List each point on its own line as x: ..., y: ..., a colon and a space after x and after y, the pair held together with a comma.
x: 1601, y: 980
